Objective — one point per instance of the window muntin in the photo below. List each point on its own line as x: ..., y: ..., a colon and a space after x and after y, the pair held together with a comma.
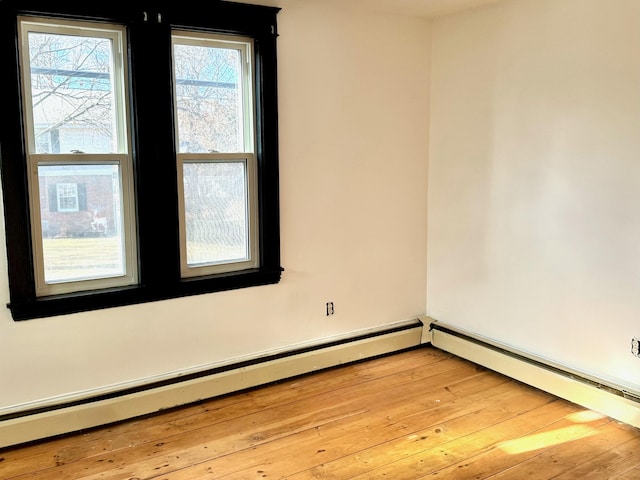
x: 216, y: 165
x: 76, y: 135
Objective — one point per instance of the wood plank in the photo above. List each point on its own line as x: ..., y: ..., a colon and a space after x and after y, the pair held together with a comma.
x: 415, y: 414
x: 295, y: 417
x: 633, y: 474
x: 332, y: 441
x: 443, y: 445
x: 274, y: 418
x: 125, y: 435
x: 566, y: 449
x: 621, y: 454
x: 488, y: 452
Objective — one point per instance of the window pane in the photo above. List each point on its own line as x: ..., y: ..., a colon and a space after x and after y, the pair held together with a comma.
x: 72, y: 93
x: 216, y: 212
x: 209, y: 99
x: 85, y: 243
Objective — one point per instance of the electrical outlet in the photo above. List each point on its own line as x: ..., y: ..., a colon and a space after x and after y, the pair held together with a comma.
x: 635, y: 346
x: 330, y: 310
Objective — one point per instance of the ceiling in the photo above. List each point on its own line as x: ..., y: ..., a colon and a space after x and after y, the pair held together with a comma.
x: 416, y: 8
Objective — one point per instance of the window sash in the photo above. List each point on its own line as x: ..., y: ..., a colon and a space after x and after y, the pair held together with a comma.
x: 123, y: 216
x: 244, y: 46
x: 252, y: 259
x: 114, y: 33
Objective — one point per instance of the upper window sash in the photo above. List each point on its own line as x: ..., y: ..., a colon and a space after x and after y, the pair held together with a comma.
x: 73, y: 72
x: 206, y: 66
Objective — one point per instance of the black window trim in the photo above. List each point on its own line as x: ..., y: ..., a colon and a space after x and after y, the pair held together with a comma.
x: 148, y: 43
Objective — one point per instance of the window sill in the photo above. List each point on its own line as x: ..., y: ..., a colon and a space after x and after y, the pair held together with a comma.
x: 123, y: 296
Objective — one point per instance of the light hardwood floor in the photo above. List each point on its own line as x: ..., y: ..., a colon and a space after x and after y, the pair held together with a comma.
x: 416, y: 414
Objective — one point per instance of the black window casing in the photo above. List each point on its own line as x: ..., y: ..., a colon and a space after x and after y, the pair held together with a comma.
x: 154, y: 150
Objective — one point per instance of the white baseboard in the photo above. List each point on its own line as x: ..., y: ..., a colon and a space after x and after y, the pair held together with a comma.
x: 55, y: 419
x: 595, y: 394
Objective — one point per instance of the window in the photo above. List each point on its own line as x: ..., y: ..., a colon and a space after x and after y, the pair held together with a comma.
x: 141, y: 159
x: 73, y: 76
x: 215, y: 135
x: 67, y: 197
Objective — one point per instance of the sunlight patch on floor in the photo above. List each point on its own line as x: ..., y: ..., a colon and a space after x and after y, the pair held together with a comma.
x: 554, y: 437
x: 585, y: 416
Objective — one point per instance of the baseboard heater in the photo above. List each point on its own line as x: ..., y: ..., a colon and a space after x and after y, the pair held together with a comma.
x: 59, y: 416
x: 596, y: 394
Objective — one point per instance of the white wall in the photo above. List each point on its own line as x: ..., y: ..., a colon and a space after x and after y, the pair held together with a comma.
x: 534, y: 179
x: 353, y: 123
